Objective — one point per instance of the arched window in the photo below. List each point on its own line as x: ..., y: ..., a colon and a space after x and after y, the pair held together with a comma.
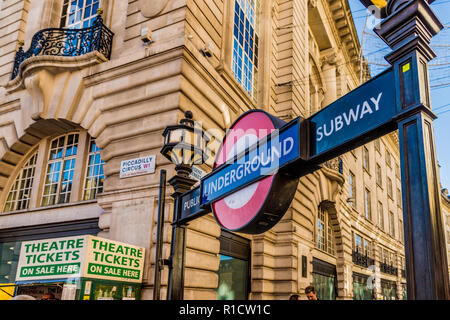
x: 19, y: 195
x: 325, y: 233
x: 94, y: 172
x: 60, y: 168
x: 70, y: 168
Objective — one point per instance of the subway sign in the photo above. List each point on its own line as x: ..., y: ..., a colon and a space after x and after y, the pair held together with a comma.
x: 80, y: 256
x: 261, y: 157
x: 356, y: 114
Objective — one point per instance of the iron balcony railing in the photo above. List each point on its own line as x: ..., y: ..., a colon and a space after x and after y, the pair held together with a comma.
x: 362, y: 260
x: 403, y: 272
x: 67, y: 43
x: 388, y: 269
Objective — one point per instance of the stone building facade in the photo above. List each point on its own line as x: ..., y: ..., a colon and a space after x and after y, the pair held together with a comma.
x: 218, y: 59
x: 445, y: 201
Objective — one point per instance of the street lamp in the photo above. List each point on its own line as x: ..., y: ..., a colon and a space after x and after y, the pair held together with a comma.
x: 184, y: 145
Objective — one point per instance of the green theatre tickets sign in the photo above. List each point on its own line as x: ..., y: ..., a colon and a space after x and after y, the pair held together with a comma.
x: 80, y: 256
x: 112, y: 260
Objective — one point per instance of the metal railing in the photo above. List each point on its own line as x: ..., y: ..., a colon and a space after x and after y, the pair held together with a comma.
x: 388, y: 269
x: 67, y: 43
x: 362, y: 260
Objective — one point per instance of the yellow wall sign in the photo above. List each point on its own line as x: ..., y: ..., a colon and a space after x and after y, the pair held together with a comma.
x: 80, y: 256
x: 406, y: 67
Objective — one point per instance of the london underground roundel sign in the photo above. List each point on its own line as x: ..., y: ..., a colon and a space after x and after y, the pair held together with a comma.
x: 258, y: 206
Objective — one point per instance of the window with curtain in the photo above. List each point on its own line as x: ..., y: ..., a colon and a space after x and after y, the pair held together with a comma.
x: 245, y: 44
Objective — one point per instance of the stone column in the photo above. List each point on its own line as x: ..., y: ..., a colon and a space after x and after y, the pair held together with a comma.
x: 328, y: 62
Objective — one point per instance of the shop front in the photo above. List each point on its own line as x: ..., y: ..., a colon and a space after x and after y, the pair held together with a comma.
x: 388, y: 290
x: 324, y: 279
x: 234, y: 267
x: 362, y: 287
x: 80, y: 268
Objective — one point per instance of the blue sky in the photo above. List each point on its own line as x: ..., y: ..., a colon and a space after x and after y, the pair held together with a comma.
x: 440, y: 96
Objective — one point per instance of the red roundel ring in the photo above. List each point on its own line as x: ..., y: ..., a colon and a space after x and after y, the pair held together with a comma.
x: 251, y: 209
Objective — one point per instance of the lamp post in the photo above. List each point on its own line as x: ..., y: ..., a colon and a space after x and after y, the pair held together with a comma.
x: 407, y: 28
x: 184, y: 145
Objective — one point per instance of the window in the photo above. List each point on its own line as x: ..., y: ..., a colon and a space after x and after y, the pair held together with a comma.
x: 391, y: 224
x: 380, y: 215
x: 366, y: 158
x: 66, y: 157
x: 367, y: 249
x: 388, y: 158
x: 60, y: 169
x: 399, y: 197
x: 352, y: 189
x: 377, y: 145
x: 77, y: 14
x: 389, y: 187
x: 19, y: 195
x: 397, y: 171
x: 325, y: 234
x: 400, y: 230
x: 94, y: 173
x: 233, y: 273
x: 378, y: 175
x: 358, y: 243
x: 367, y: 209
x: 362, y: 251
x: 245, y: 44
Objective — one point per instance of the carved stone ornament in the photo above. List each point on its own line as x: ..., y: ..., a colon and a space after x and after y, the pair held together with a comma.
x: 152, y: 8
x: 312, y: 4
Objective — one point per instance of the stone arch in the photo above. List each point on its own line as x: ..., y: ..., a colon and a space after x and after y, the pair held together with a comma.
x: 329, y: 190
x: 55, y: 101
x: 19, y: 151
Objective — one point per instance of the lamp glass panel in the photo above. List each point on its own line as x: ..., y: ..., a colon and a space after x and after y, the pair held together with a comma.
x: 176, y: 135
x: 189, y: 137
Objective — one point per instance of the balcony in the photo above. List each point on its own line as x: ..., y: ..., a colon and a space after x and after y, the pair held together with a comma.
x: 403, y: 272
x: 388, y: 269
x: 362, y: 260
x: 67, y: 43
